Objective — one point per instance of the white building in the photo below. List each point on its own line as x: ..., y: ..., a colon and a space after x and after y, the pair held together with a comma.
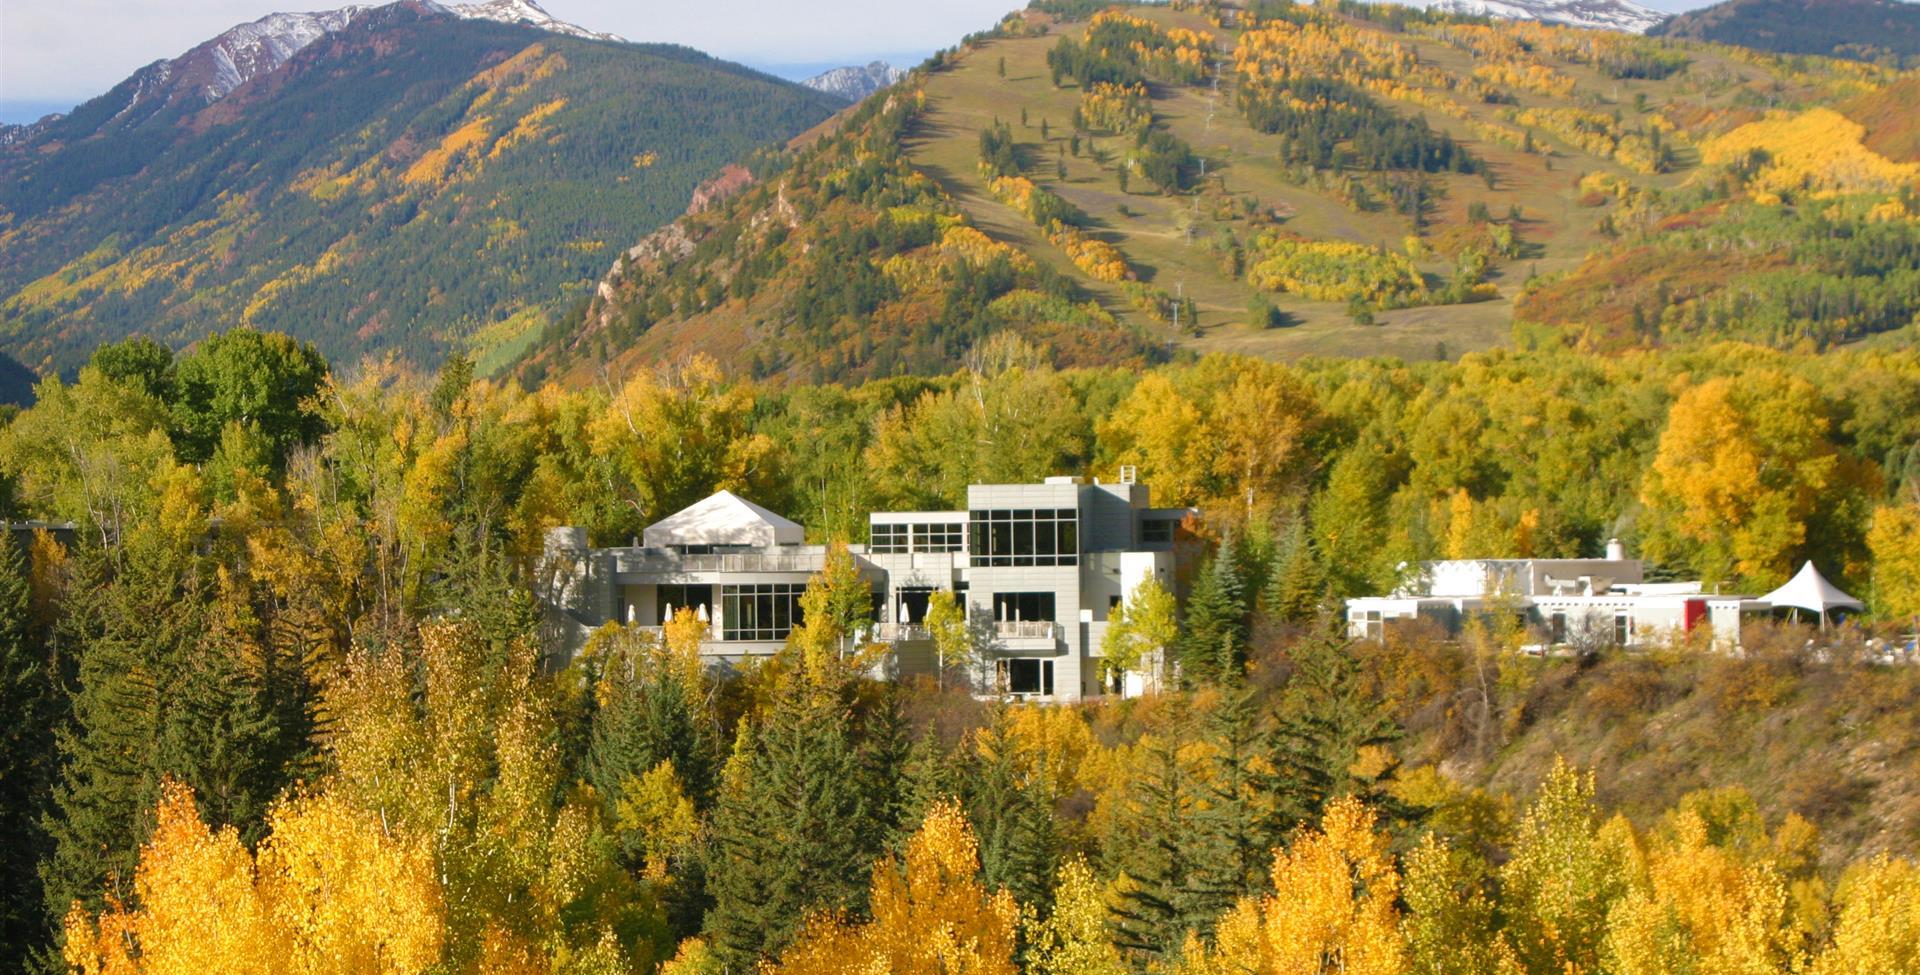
x: 1585, y: 603
x: 1040, y: 567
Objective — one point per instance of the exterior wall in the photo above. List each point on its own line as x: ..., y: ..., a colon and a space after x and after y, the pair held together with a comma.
x: 586, y: 588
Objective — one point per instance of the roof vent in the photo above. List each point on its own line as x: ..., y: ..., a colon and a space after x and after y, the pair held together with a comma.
x: 1616, y: 552
x: 1128, y: 474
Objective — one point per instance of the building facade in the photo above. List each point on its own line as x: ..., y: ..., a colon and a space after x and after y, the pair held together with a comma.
x: 1563, y: 603
x: 1039, y: 568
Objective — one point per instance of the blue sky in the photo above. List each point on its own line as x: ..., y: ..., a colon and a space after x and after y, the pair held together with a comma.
x: 57, y: 53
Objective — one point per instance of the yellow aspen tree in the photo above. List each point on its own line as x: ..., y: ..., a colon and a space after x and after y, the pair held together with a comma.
x: 1073, y: 939
x: 1562, y: 878
x: 1894, y: 543
x: 198, y: 908
x: 1877, y: 927
x: 1700, y: 909
x: 1449, y: 927
x: 1332, y: 911
x: 931, y: 915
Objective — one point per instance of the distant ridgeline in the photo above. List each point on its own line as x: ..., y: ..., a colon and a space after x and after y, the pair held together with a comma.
x: 410, y: 182
x: 1283, y: 179
x: 1868, y: 30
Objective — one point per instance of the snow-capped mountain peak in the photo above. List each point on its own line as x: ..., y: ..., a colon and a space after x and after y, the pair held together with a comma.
x: 1620, y: 15
x: 855, y: 83
x: 524, y: 12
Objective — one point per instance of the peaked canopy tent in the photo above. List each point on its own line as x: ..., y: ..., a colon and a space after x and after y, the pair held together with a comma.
x: 1809, y: 590
x: 723, y: 519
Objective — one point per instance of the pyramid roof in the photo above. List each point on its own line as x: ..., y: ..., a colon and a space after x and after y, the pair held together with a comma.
x: 1809, y: 590
x: 724, y: 518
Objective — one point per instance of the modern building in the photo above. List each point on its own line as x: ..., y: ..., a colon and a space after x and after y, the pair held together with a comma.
x: 1039, y: 567
x: 1584, y: 603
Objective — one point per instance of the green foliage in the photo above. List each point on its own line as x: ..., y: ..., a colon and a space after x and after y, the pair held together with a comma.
x: 30, y: 710
x: 1213, y: 630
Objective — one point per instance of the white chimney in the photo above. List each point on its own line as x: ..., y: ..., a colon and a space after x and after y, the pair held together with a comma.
x: 1616, y: 552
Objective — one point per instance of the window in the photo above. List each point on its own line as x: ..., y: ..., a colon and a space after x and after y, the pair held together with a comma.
x: 940, y: 536
x: 678, y: 598
x: 1367, y: 624
x: 1024, y: 676
x: 1156, y: 531
x: 1026, y: 607
x: 1557, y: 628
x: 1024, y: 536
x: 888, y: 540
x: 914, y: 600
x: 765, y: 611
x: 1622, y: 629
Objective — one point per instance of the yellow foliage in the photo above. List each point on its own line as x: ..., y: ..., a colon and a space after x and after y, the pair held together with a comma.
x: 433, y: 165
x: 529, y: 126
x: 1877, y: 928
x: 1817, y: 152
x: 329, y: 892
x: 934, y: 917
x: 1334, y: 911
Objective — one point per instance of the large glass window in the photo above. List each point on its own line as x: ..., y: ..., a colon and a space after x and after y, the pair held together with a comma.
x: 674, y: 598
x: 1026, y: 607
x: 1024, y: 536
x: 765, y: 611
x: 1025, y: 676
x: 940, y: 536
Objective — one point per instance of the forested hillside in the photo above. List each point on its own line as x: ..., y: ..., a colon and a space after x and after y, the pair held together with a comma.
x: 278, y: 700
x: 1282, y: 180
x: 1867, y: 30
x: 412, y: 183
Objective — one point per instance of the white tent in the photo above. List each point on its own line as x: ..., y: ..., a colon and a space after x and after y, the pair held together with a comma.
x: 1809, y: 590
x: 724, y: 519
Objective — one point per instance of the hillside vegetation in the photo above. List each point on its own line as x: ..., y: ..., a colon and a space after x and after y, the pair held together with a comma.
x: 414, y: 183
x: 279, y: 696
x: 1284, y: 180
x: 1867, y: 30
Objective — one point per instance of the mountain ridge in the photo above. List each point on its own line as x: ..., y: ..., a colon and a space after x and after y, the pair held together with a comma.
x: 1859, y: 29
x: 855, y: 83
x: 411, y: 182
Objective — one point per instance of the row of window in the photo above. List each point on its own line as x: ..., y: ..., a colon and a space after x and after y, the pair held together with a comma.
x: 1024, y: 536
x: 902, y: 538
x: 761, y: 611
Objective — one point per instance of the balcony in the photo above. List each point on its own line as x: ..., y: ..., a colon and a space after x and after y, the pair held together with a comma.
x: 1027, y: 630
x: 644, y: 561
x: 900, y: 632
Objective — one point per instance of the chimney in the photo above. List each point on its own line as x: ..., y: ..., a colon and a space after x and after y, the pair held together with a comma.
x: 1616, y: 552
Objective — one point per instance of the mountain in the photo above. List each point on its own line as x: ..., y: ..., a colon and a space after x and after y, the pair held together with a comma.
x: 853, y: 84
x: 527, y: 14
x: 409, y: 179
x: 1290, y: 180
x: 1621, y: 15
x: 1864, y: 29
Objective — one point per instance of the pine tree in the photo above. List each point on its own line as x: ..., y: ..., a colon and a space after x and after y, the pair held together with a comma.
x: 926, y: 777
x: 1248, y: 807
x: 645, y: 718
x: 1013, y: 814
x: 1213, y: 643
x: 739, y: 925
x: 1297, y: 587
x: 29, y: 712
x: 1151, y: 853
x: 1328, y: 722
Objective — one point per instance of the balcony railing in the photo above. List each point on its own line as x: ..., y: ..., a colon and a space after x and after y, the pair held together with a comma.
x: 900, y: 632
x: 651, y: 561
x: 1027, y: 630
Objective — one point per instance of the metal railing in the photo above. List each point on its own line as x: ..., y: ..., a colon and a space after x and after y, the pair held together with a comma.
x: 900, y: 632
x: 1027, y: 630
x: 647, y: 561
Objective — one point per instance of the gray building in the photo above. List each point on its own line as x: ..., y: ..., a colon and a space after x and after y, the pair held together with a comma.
x: 1039, y: 566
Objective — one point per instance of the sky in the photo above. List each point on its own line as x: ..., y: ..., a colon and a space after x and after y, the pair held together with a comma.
x: 57, y: 53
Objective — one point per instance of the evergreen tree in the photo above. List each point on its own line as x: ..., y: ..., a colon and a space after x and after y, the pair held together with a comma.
x: 1151, y: 854
x: 130, y: 632
x: 740, y: 925
x: 926, y: 777
x: 1213, y: 644
x: 1013, y: 814
x: 29, y: 713
x: 645, y: 717
x: 1329, y: 721
x: 1248, y: 807
x: 1298, y: 587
